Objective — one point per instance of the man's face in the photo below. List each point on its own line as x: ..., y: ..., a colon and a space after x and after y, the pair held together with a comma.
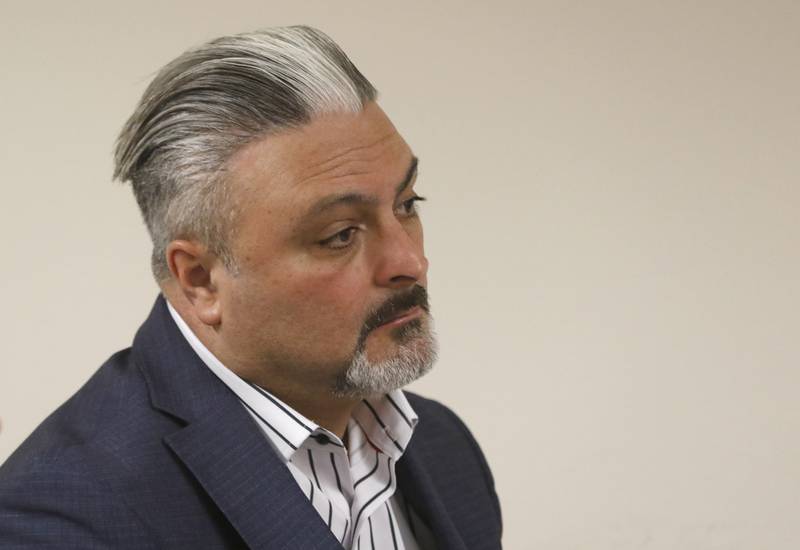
x: 330, y: 253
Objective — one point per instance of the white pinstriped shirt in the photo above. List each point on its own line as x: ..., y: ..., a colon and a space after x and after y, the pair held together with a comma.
x: 352, y: 487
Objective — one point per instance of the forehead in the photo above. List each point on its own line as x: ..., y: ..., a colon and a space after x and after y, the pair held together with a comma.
x: 342, y: 151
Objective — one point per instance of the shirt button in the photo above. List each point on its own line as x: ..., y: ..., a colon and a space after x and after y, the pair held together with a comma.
x: 322, y: 439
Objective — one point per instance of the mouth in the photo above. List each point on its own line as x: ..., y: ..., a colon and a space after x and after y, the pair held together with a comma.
x: 403, y: 318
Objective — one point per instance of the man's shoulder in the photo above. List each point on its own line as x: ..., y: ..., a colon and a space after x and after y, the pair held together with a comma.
x: 98, y: 472
x: 454, y: 461
x: 107, y: 419
x: 83, y: 462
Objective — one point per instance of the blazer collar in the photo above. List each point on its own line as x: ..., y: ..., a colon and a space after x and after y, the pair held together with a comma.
x: 221, y: 444
x: 177, y: 380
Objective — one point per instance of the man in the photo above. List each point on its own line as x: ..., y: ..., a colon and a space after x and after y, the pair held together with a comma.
x: 259, y: 405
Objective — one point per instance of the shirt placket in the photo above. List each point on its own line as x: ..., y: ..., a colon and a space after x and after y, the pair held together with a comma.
x: 374, y: 485
x: 322, y: 460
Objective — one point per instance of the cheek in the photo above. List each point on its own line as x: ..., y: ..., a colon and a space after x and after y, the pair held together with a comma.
x: 323, y: 302
x: 328, y: 294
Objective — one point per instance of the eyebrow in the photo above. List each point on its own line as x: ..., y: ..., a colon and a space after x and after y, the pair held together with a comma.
x: 359, y: 198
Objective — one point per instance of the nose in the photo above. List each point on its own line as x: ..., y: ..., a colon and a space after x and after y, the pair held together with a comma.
x: 401, y: 260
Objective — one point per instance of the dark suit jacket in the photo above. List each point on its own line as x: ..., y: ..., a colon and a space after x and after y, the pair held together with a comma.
x: 155, y: 452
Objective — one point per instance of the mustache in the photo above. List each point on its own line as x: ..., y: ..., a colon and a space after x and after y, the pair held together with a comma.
x: 396, y: 305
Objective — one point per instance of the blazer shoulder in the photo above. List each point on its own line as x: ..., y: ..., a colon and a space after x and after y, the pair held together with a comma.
x: 445, y: 439
x: 106, y: 423
x: 71, y: 480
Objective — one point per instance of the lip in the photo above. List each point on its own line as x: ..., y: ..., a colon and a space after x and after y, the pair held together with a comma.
x: 413, y: 313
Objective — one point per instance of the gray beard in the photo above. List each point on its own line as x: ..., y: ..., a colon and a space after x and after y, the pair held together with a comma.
x: 414, y: 358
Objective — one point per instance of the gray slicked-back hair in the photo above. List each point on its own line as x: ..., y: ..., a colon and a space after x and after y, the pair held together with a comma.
x: 207, y: 104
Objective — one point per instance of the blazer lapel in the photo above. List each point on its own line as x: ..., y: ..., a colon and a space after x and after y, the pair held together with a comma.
x: 222, y: 446
x: 418, y: 489
x: 249, y: 483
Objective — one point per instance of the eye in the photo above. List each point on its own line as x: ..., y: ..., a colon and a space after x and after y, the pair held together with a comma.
x: 408, y: 208
x: 342, y: 239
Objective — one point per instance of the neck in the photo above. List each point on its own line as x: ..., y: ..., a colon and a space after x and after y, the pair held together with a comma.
x: 315, y: 403
x: 330, y: 412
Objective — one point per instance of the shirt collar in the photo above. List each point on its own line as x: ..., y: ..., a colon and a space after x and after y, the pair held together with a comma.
x: 388, y: 421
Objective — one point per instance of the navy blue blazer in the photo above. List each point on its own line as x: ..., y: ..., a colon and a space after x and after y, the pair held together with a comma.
x: 155, y: 452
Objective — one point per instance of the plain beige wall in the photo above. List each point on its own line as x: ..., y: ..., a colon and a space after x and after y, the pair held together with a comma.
x: 613, y: 233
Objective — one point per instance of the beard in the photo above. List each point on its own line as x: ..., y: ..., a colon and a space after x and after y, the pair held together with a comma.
x: 414, y: 357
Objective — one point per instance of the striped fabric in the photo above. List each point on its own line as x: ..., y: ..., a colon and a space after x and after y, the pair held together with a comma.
x: 352, y: 486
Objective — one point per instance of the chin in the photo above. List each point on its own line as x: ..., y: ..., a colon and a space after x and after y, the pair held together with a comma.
x: 409, y: 355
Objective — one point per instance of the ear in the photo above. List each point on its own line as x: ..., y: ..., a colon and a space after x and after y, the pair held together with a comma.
x: 191, y: 265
